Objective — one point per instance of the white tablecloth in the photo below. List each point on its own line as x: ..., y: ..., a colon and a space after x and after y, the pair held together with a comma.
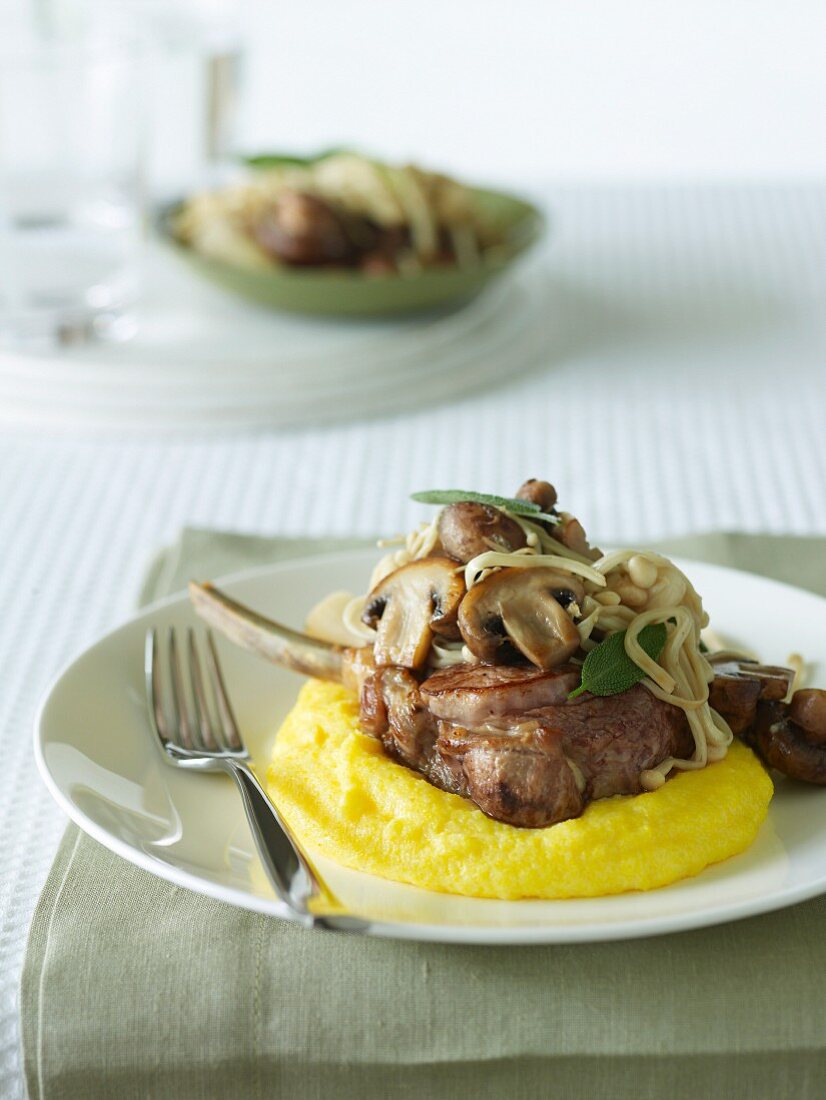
x: 684, y: 389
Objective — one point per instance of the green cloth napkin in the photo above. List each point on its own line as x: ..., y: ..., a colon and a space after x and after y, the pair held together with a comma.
x: 133, y: 987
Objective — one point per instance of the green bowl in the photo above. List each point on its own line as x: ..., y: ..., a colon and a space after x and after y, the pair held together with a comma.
x: 343, y: 293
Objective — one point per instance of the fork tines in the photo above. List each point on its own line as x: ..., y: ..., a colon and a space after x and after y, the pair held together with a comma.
x: 185, y: 718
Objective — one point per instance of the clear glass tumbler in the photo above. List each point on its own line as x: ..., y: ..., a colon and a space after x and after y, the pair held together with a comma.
x: 71, y: 192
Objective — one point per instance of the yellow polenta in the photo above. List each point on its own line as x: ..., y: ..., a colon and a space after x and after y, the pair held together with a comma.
x: 349, y: 801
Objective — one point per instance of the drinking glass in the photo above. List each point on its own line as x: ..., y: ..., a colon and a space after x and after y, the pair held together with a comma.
x: 71, y: 202
x: 195, y: 61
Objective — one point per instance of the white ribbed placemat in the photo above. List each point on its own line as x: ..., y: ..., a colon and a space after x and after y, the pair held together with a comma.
x: 685, y: 389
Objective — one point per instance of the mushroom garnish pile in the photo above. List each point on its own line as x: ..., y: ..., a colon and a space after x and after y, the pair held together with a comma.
x: 482, y: 540
x: 492, y: 640
x: 535, y: 591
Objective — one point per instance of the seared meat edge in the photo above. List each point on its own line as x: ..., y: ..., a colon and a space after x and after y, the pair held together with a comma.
x: 509, y: 739
x: 527, y: 756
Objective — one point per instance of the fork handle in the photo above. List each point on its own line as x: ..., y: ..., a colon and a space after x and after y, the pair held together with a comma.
x: 289, y: 872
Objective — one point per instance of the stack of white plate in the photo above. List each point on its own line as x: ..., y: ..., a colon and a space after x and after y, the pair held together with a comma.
x: 203, y: 359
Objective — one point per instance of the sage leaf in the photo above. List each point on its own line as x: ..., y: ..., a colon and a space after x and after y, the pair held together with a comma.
x: 608, y: 670
x: 525, y: 508
x: 289, y: 160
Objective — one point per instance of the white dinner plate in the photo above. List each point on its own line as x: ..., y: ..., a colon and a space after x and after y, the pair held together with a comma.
x: 506, y: 339
x: 98, y: 758
x: 200, y: 360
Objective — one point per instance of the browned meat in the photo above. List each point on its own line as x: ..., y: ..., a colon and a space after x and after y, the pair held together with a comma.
x: 612, y: 739
x: 392, y: 709
x: 511, y: 740
x: 519, y: 775
x: 786, y: 746
x: 471, y: 695
x: 478, y: 731
x: 372, y: 707
x: 545, y: 766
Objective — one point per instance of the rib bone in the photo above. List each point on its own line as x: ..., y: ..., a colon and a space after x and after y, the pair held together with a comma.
x: 289, y: 648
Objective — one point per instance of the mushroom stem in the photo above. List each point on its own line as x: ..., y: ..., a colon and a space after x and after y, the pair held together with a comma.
x: 295, y: 651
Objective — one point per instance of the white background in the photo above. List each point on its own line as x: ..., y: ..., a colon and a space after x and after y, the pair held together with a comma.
x: 547, y: 89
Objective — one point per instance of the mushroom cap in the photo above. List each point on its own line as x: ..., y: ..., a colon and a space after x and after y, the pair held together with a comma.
x: 537, y: 492
x: 808, y: 710
x: 410, y: 605
x: 523, y: 609
x: 467, y: 529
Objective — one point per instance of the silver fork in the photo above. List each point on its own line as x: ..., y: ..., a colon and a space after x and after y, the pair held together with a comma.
x: 209, y: 740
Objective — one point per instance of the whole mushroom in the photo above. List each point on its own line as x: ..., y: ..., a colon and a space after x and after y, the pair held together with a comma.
x: 538, y: 492
x: 522, y: 609
x: 467, y: 529
x: 409, y: 606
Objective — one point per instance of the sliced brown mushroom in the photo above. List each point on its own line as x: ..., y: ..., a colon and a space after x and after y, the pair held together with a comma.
x: 774, y: 680
x: 467, y: 529
x: 739, y: 685
x: 783, y: 744
x: 522, y: 609
x: 409, y: 606
x: 735, y: 697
